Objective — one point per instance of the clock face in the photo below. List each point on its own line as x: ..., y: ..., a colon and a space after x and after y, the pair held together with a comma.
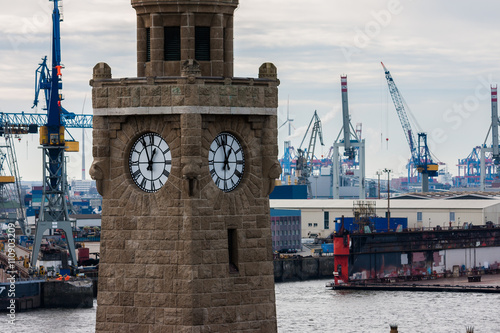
x: 226, y: 161
x: 150, y: 161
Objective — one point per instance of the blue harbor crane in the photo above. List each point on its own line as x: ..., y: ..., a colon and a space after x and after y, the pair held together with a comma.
x: 420, y: 155
x: 54, y: 212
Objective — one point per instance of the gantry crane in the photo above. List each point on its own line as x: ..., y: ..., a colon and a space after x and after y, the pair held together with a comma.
x: 494, y: 149
x: 54, y: 211
x: 305, y: 157
x: 354, y: 150
x: 420, y: 154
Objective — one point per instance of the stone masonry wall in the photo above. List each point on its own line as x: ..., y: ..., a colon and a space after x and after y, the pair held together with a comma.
x: 165, y: 255
x: 168, y: 92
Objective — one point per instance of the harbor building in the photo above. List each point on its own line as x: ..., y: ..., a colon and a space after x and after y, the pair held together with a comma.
x: 285, y: 229
x: 318, y: 217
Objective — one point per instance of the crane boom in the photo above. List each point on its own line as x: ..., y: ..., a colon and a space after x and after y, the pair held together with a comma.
x: 23, y: 119
x: 403, y: 116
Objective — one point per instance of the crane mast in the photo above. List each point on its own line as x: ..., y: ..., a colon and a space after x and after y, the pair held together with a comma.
x: 349, y: 150
x: 420, y: 154
x: 494, y: 124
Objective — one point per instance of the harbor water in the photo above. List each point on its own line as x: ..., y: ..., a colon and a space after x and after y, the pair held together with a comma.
x: 311, y: 307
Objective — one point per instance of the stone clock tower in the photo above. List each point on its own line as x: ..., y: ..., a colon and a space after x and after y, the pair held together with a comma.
x: 185, y: 156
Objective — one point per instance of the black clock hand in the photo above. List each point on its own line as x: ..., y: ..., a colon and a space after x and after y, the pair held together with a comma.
x: 150, y: 162
x: 145, y: 148
x: 227, y: 159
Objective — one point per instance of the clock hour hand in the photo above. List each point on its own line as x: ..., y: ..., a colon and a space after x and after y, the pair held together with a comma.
x: 227, y: 159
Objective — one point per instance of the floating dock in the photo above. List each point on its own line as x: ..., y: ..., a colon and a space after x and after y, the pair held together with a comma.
x: 465, y: 284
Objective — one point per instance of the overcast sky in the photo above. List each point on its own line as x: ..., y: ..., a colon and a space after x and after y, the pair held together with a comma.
x: 443, y: 57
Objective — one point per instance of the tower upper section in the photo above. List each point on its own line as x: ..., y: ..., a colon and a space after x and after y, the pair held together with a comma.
x: 174, y: 36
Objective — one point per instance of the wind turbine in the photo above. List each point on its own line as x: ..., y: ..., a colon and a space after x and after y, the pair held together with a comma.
x: 288, y: 120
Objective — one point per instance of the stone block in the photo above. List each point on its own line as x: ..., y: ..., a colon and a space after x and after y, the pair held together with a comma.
x: 139, y: 328
x: 109, y: 298
x: 145, y: 316
x: 130, y: 314
x: 159, y: 300
x: 142, y: 300
x: 171, y: 316
x: 100, y: 103
x: 253, y: 233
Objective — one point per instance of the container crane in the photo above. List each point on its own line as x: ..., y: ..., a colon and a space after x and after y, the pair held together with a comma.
x: 494, y: 149
x: 305, y: 157
x: 420, y: 154
x: 354, y: 151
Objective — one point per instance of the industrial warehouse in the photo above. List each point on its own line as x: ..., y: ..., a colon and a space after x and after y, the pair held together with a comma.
x: 319, y: 218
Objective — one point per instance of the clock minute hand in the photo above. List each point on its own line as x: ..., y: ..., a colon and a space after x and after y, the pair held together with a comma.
x: 146, y: 149
x: 150, y: 162
x: 227, y: 159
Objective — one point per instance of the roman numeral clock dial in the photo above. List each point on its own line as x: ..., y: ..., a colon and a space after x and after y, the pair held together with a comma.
x: 226, y: 161
x: 150, y: 162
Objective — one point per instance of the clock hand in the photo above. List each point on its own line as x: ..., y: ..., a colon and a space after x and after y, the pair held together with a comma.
x: 227, y: 159
x: 145, y: 148
x: 150, y: 162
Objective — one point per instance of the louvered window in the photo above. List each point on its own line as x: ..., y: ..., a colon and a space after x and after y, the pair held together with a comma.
x: 148, y: 44
x: 172, y: 43
x: 202, y: 44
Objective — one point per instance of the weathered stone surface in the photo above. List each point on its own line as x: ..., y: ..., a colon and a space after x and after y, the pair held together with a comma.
x: 138, y: 93
x: 167, y: 263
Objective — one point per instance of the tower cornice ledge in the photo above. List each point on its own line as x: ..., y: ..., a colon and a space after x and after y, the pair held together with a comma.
x: 178, y: 95
x: 169, y: 6
x: 161, y: 110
